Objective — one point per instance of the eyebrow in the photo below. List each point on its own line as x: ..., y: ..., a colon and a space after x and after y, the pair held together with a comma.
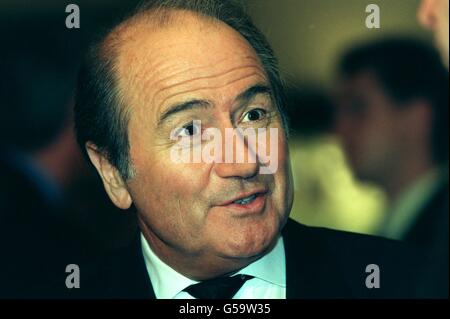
x: 252, y: 91
x: 243, y: 97
x: 184, y: 106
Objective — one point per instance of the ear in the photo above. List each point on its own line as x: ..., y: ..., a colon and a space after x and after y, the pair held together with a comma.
x: 415, y: 122
x: 112, y: 180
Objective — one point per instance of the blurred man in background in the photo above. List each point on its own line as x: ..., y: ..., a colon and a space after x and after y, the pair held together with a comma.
x: 392, y: 118
x: 39, y: 161
x: 46, y: 193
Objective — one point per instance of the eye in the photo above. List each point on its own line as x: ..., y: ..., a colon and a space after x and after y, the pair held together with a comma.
x: 189, y: 130
x: 254, y: 115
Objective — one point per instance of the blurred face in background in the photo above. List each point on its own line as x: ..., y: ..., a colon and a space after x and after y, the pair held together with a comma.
x: 434, y: 15
x: 376, y: 133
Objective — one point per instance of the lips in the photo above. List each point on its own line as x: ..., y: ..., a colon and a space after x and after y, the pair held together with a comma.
x: 246, y: 204
x: 245, y: 198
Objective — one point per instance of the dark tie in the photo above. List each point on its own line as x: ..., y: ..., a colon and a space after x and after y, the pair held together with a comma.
x: 218, y: 288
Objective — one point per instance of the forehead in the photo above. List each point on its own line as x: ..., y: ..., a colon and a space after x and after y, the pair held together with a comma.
x: 191, y: 54
x: 360, y: 82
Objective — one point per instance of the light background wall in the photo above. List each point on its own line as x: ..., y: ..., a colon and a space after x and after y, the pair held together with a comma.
x: 309, y: 35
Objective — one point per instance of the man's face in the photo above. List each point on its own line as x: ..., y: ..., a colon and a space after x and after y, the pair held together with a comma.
x: 186, y: 206
x: 434, y: 14
x: 369, y: 125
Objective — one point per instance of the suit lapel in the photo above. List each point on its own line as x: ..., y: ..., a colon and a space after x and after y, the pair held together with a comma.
x: 143, y: 282
x: 311, y: 270
x: 430, y: 218
x: 128, y: 276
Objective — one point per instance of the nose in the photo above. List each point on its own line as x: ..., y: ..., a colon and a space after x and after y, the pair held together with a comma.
x: 239, y: 170
x: 425, y: 14
x: 230, y: 167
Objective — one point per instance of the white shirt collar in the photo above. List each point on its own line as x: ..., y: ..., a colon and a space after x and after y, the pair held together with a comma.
x: 167, y: 282
x: 271, y: 267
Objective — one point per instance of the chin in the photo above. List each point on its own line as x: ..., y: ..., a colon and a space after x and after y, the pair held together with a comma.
x: 253, y: 243
x: 245, y: 253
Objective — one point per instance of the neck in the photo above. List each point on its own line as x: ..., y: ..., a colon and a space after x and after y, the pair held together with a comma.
x: 408, y: 172
x: 199, y: 266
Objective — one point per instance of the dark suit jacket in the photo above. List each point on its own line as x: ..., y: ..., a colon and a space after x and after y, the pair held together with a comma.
x: 35, y: 243
x: 321, y: 263
x: 430, y: 233
x: 428, y: 226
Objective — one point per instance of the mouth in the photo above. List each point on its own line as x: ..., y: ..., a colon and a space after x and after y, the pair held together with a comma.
x: 250, y: 203
x: 246, y: 200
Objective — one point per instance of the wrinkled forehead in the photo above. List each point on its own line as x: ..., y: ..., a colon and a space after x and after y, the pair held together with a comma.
x: 151, y: 59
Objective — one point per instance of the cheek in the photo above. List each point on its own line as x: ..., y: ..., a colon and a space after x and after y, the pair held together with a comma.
x: 374, y: 129
x: 372, y: 141
x: 370, y: 134
x: 283, y: 178
x: 163, y: 186
x: 379, y: 144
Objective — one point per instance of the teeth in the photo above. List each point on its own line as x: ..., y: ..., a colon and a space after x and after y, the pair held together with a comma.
x: 246, y: 200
